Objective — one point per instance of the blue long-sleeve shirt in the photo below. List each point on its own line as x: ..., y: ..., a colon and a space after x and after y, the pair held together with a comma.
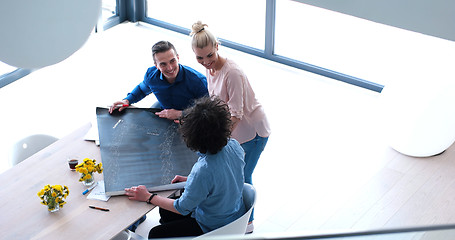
x: 213, y: 191
x: 188, y: 86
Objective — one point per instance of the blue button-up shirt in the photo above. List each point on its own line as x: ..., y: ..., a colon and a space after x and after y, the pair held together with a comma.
x: 188, y: 86
x: 213, y: 191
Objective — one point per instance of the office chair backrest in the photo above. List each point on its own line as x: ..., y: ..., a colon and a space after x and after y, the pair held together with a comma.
x: 238, y: 226
x: 28, y: 146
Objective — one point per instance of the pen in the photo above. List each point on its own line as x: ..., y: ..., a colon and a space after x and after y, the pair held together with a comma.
x: 121, y: 105
x: 99, y: 208
x: 89, y: 189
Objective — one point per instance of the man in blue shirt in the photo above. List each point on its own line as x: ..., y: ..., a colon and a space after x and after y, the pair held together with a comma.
x: 175, y: 86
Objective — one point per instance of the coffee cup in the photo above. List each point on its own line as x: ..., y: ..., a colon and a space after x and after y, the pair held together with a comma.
x: 72, y: 163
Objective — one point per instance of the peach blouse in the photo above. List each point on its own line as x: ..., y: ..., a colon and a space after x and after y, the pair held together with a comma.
x: 231, y: 85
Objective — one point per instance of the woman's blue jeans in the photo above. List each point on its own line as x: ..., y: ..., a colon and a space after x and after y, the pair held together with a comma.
x: 253, y: 150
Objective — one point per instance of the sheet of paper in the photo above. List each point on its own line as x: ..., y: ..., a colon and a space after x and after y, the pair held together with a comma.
x: 98, y: 193
x: 92, y: 134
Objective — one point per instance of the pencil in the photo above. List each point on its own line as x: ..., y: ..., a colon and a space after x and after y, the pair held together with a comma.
x: 99, y: 208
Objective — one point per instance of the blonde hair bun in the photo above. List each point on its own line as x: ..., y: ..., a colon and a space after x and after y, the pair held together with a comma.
x: 197, y: 27
x: 201, y: 36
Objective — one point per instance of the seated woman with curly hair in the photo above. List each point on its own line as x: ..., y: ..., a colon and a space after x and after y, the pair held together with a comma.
x: 213, y: 191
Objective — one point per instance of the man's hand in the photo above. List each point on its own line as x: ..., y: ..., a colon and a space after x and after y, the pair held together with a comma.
x: 139, y: 193
x: 120, y: 105
x: 171, y: 114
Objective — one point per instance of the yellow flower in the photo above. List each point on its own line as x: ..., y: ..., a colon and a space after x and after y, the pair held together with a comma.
x: 87, y: 167
x: 57, y: 187
x: 52, y: 195
x: 88, y: 161
x: 41, y: 192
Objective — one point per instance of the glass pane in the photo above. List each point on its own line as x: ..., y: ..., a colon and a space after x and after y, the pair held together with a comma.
x: 5, y: 68
x: 109, y: 9
x: 353, y: 46
x: 239, y: 21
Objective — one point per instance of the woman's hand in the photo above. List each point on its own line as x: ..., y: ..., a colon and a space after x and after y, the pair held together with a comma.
x: 234, y: 121
x: 139, y: 193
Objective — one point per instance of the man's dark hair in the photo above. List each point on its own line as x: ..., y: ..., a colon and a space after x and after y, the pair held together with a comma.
x: 162, y: 46
x: 206, y: 125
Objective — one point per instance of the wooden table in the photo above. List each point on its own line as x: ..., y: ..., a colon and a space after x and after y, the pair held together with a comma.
x: 22, y: 216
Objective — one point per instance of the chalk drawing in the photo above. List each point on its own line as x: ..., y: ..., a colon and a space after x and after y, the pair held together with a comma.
x: 139, y: 148
x: 166, y: 154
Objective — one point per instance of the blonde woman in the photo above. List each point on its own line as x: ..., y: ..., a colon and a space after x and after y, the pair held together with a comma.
x: 226, y: 80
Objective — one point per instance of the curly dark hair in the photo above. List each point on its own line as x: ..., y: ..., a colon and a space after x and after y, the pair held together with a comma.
x: 206, y: 125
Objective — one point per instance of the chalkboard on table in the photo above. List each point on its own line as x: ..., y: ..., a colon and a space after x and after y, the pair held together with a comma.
x: 139, y: 148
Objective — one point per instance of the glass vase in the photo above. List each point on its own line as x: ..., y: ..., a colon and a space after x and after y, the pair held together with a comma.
x: 53, y: 206
x: 89, y: 180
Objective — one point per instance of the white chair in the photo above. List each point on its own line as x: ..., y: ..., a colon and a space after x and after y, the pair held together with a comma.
x: 28, y: 146
x: 237, y: 227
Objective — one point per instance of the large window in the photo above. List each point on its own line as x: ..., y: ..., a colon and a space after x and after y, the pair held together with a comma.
x: 332, y: 40
x: 351, y: 45
x: 335, y: 45
x: 280, y: 30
